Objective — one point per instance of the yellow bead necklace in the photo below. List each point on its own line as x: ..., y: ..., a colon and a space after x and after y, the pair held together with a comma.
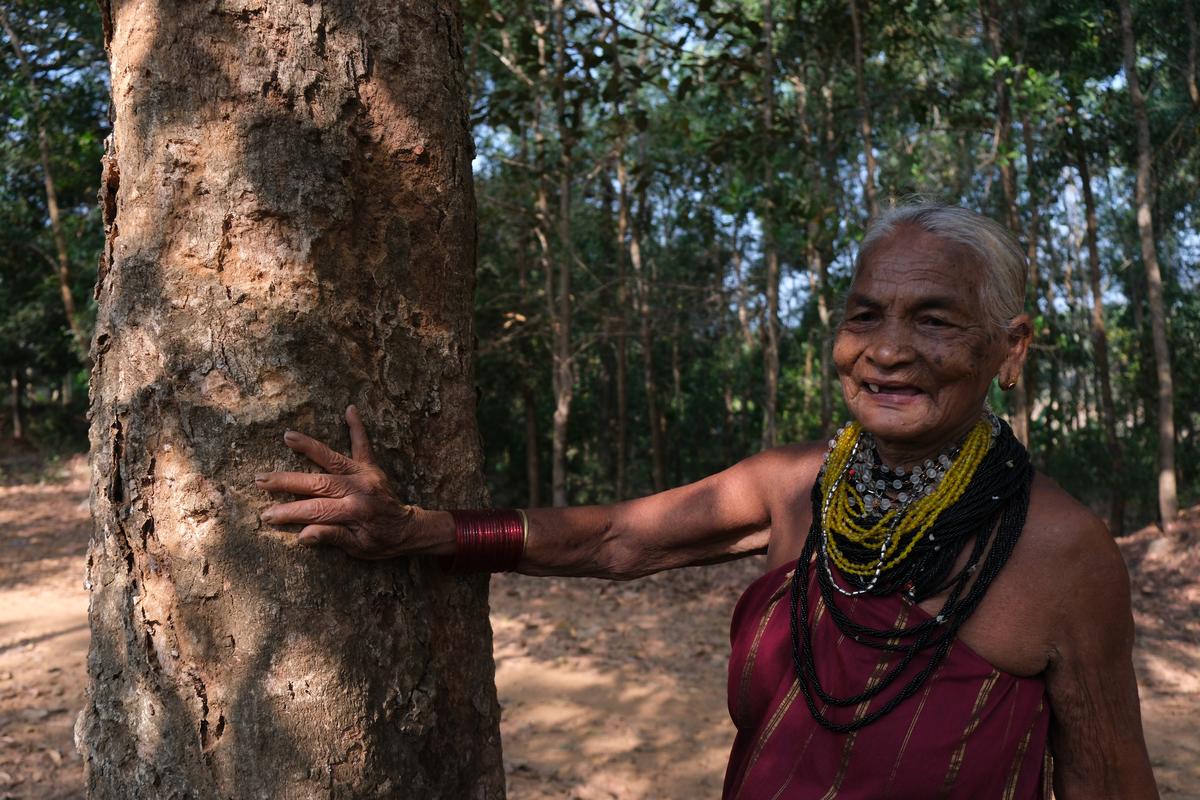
x: 849, y: 513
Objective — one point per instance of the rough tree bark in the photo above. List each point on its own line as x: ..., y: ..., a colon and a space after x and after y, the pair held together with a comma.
x: 1168, y: 497
x: 290, y: 226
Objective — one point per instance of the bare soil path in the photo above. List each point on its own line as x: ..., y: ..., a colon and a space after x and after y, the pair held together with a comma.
x: 609, y: 690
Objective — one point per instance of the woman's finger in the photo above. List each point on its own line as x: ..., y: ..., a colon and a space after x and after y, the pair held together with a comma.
x: 360, y: 446
x: 335, y: 535
x: 319, y: 484
x: 306, y: 512
x: 319, y: 453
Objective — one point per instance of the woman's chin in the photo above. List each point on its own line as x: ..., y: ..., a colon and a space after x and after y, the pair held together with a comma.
x: 902, y: 423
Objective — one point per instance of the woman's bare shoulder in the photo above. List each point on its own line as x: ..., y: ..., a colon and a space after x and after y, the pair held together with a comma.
x: 1069, y: 542
x: 789, y: 468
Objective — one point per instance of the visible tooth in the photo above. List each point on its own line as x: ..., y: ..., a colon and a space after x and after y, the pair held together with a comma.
x: 874, y: 387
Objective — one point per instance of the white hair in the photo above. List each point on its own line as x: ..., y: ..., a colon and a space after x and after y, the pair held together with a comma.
x: 1005, y: 268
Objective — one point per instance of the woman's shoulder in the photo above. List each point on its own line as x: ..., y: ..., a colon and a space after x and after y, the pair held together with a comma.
x: 1068, y: 539
x: 791, y: 468
x: 1057, y: 520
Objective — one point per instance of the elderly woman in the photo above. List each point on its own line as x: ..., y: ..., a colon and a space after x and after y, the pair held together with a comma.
x: 936, y: 620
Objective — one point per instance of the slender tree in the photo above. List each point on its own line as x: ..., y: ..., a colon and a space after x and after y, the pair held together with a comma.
x: 1168, y: 500
x: 770, y: 248
x: 1108, y: 411
x: 61, y: 262
x: 864, y: 112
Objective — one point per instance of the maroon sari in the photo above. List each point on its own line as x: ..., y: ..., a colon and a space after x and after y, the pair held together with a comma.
x: 971, y: 731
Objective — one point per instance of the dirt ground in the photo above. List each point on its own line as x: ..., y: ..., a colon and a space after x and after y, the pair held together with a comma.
x: 609, y: 690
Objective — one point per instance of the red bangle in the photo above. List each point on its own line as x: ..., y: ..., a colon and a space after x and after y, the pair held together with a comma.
x: 487, y: 541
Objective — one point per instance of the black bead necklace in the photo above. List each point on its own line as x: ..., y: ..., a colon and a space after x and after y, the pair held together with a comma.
x: 997, y: 498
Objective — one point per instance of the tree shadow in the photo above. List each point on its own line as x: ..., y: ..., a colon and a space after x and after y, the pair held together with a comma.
x: 33, y: 538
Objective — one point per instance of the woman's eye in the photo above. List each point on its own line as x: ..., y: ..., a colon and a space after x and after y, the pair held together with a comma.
x: 936, y: 322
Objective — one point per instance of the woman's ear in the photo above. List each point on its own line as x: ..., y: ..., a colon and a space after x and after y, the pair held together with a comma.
x: 1018, y: 336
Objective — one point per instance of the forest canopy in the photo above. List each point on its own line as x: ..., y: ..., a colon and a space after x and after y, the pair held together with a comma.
x: 670, y: 199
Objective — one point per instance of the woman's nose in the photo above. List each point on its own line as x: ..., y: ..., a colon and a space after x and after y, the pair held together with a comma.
x: 890, y: 347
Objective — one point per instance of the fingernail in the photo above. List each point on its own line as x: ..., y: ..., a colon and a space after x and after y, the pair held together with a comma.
x: 260, y: 477
x: 291, y: 436
x: 266, y: 516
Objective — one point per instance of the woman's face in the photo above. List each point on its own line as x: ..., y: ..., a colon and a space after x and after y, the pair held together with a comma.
x: 916, y: 351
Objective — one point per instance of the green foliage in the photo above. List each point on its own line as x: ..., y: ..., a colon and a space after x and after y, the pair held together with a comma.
x: 61, y: 89
x: 678, y: 91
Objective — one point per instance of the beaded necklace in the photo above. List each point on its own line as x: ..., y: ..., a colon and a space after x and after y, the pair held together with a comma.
x: 910, y: 546
x: 874, y: 517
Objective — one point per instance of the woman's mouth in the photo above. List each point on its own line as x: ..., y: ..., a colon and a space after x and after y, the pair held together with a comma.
x: 892, y: 391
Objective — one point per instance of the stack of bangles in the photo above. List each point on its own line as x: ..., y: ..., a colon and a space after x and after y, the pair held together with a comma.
x: 488, y: 540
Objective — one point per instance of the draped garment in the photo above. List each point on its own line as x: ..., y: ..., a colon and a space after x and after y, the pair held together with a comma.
x: 971, y: 731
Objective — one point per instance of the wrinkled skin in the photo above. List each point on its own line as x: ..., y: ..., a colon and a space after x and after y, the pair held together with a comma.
x: 915, y: 327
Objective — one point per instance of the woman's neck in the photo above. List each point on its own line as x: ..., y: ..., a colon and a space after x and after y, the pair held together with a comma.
x: 906, y: 455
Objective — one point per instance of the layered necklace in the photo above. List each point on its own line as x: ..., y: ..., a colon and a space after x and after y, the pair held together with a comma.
x: 884, y: 530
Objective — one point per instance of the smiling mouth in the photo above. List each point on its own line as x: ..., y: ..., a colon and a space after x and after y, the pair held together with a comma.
x: 892, y: 388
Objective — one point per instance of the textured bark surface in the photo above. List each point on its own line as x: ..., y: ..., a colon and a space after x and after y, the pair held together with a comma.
x: 290, y: 228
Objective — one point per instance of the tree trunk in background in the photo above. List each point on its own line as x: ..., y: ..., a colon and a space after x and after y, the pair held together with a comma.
x: 658, y: 456
x: 622, y: 233
x: 1008, y: 185
x: 1030, y: 373
x: 560, y: 298
x: 1189, y: 11
x: 62, y: 262
x: 1116, y: 469
x: 770, y: 252
x: 643, y: 288
x: 533, y: 460
x: 291, y: 229
x: 1168, y: 500
x: 15, y: 391
x: 864, y: 112
x: 622, y: 325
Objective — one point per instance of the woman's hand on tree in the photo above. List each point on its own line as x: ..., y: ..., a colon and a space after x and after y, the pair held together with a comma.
x: 350, y: 506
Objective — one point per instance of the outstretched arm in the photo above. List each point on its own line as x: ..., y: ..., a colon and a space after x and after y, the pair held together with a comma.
x: 352, y: 506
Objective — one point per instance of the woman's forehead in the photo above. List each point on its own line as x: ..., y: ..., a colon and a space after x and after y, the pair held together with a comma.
x: 918, y: 266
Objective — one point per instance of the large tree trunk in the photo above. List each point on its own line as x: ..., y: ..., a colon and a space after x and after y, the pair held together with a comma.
x: 293, y: 229
x: 1168, y: 499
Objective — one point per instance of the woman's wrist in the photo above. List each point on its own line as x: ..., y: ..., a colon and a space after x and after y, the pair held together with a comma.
x: 437, y: 537
x: 487, y: 540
